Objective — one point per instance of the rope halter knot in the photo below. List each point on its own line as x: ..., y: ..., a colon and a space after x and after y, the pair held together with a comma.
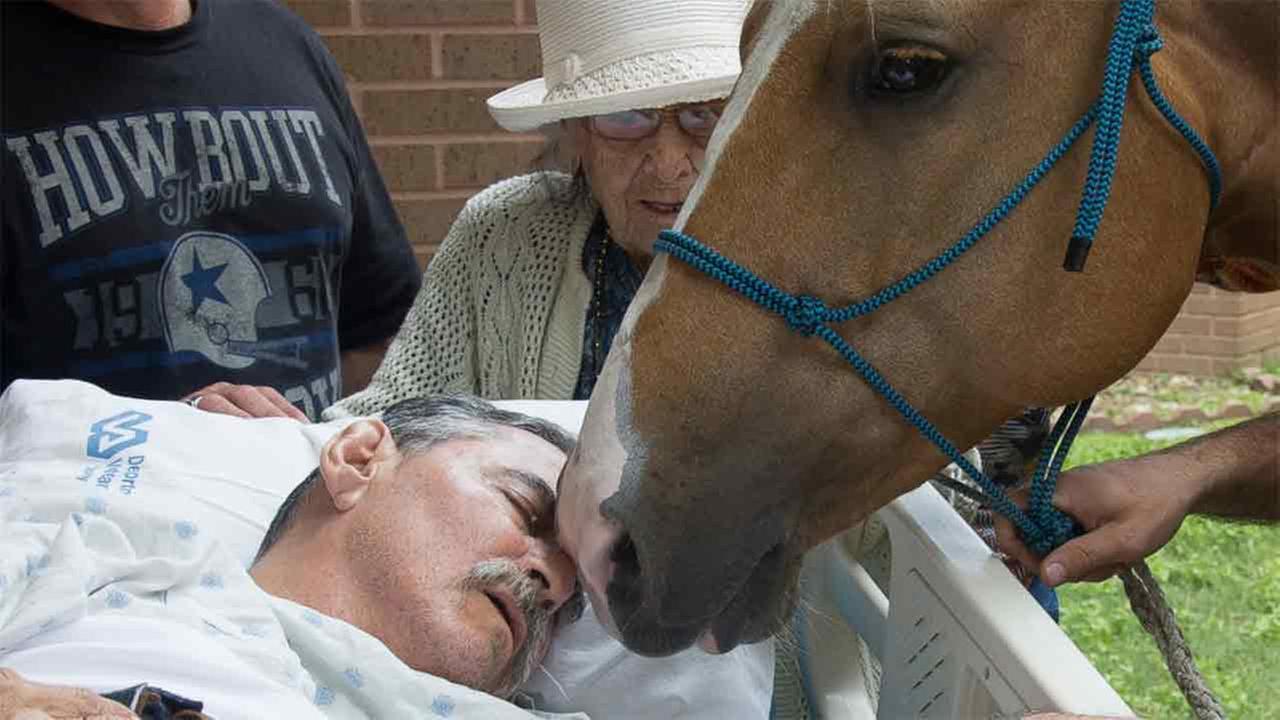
x: 1054, y: 529
x: 806, y: 314
x: 1149, y: 43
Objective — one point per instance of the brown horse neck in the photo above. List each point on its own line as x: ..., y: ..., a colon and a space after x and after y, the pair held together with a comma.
x: 1226, y: 59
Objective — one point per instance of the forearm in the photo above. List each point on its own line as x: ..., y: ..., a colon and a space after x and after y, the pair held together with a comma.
x: 1236, y: 471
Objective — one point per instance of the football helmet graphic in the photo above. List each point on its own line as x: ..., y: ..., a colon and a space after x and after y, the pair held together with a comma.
x: 210, y: 289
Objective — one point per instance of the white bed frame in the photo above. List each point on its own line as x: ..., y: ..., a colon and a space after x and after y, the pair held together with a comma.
x: 957, y: 636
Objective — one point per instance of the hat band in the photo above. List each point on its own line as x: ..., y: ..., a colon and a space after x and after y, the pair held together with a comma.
x: 643, y: 72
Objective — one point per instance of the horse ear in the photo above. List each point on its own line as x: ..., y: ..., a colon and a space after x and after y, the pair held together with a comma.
x: 1241, y: 274
x: 751, y: 26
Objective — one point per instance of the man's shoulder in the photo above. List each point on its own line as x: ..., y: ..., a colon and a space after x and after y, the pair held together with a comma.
x: 269, y: 18
x: 262, y: 11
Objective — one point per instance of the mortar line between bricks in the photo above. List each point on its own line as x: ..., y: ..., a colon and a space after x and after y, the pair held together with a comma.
x: 357, y: 18
x: 457, y: 29
x: 437, y: 55
x: 437, y: 159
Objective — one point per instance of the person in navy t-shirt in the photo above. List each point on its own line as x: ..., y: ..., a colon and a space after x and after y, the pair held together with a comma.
x: 189, y: 198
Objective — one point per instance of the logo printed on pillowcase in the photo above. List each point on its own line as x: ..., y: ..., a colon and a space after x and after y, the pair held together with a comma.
x: 116, y: 433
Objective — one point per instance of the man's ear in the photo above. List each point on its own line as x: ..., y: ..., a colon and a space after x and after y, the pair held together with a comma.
x: 352, y: 459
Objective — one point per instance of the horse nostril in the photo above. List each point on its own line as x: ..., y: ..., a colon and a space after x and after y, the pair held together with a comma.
x: 624, y: 552
x: 626, y: 565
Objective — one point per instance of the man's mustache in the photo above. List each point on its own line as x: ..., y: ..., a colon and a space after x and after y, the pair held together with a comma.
x: 507, y: 574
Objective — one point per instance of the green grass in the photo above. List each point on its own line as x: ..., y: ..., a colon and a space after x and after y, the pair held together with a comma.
x: 1168, y: 395
x: 1223, y: 581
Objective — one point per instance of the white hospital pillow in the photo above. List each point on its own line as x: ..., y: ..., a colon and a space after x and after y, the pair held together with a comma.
x: 589, y: 671
x: 568, y: 414
x: 68, y: 446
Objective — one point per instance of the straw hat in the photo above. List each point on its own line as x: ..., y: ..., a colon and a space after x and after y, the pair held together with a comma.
x: 602, y: 56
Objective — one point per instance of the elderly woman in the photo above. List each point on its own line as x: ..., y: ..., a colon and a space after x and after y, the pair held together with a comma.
x: 525, y: 294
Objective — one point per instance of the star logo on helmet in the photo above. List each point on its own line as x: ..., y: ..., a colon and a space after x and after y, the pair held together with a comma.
x: 203, y: 282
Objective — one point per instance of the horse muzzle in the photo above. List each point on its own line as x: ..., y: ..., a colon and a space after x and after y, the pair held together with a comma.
x: 745, y: 612
x: 661, y: 591
x: 735, y: 612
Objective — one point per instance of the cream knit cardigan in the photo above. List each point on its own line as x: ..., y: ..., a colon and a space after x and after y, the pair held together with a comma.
x: 502, y: 305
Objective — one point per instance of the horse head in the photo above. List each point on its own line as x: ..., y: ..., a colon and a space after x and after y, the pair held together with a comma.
x: 864, y: 137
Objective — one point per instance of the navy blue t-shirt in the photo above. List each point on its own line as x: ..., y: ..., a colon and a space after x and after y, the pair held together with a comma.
x: 188, y: 206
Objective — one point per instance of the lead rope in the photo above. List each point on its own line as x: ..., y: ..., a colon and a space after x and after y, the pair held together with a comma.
x: 1043, y: 527
x: 1148, y: 603
x: 1135, y: 40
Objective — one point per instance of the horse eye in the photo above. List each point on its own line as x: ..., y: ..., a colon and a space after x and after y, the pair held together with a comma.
x: 908, y: 71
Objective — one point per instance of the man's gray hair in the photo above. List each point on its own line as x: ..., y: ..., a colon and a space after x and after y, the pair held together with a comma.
x: 419, y: 424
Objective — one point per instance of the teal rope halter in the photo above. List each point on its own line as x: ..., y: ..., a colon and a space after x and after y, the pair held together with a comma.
x: 1042, y: 526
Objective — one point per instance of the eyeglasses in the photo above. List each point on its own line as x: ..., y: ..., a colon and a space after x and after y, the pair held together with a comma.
x: 697, y: 121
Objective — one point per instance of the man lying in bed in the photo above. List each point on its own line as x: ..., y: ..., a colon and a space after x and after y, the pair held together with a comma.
x: 426, y: 535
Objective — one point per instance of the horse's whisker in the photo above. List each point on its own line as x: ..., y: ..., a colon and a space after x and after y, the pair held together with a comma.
x: 542, y: 667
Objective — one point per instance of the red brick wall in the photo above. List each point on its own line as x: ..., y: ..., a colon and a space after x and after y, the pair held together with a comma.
x: 1218, y: 332
x: 419, y: 72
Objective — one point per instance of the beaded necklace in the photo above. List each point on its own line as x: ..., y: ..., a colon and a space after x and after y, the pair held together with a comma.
x: 597, y: 301
x: 614, y: 282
